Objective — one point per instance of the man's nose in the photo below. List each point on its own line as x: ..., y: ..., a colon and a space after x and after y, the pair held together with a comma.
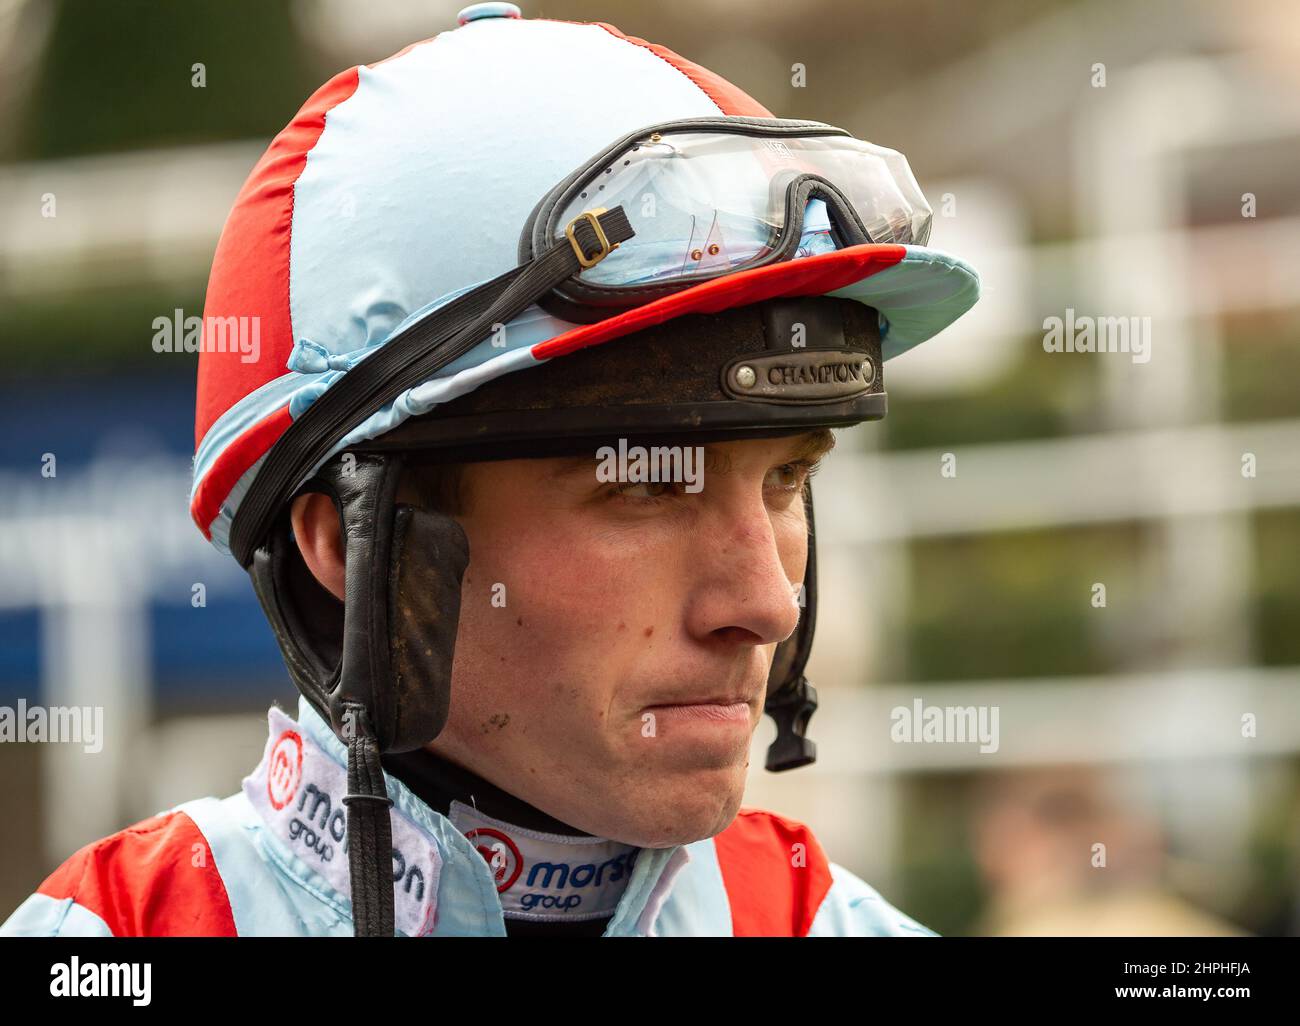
x: 742, y: 589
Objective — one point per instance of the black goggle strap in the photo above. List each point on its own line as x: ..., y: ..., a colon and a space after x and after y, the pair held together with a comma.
x: 848, y: 226
x: 414, y: 356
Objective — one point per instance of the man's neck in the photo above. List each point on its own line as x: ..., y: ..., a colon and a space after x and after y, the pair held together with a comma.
x: 437, y: 781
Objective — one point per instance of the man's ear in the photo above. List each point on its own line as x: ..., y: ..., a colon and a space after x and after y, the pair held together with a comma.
x: 319, y: 534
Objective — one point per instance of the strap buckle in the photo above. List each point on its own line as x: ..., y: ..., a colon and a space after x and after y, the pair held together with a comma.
x: 592, y: 218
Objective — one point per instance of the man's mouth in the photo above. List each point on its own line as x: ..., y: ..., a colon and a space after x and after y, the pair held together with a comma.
x: 735, y: 698
x: 724, y: 708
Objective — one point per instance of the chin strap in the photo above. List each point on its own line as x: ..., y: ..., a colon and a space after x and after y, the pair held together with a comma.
x: 370, y: 831
x: 791, y: 700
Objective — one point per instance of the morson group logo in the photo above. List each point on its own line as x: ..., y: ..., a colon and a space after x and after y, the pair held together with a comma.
x: 548, y: 876
x: 564, y: 877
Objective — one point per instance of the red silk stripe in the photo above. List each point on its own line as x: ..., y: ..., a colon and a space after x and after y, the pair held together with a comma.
x: 155, y: 879
x: 807, y: 276
x: 775, y: 886
x: 730, y: 100
x: 255, y: 283
x: 231, y: 464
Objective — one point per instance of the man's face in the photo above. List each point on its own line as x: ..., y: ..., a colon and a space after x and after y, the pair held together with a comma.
x: 615, y: 639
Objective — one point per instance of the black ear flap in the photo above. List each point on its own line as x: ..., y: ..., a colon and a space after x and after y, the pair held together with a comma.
x: 427, y: 564
x: 791, y: 700
x: 389, y: 648
x: 307, y: 619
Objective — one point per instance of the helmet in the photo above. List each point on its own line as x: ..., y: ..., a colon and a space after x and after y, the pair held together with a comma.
x: 519, y: 238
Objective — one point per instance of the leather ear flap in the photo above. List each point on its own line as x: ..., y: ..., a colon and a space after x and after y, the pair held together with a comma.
x: 306, y: 619
x: 429, y: 556
x: 791, y: 700
x: 389, y: 647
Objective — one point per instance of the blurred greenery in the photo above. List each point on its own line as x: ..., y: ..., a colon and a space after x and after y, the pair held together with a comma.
x: 257, y: 73
x: 1277, y: 587
x: 1018, y: 604
x: 1262, y: 366
x: 1032, y: 399
x: 96, y: 330
x: 1271, y: 887
x: 939, y: 881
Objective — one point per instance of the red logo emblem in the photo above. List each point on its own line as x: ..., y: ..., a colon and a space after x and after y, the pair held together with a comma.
x: 501, y: 855
x: 285, y: 769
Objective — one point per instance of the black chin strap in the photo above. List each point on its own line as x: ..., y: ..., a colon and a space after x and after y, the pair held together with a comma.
x: 370, y: 833
x: 791, y: 700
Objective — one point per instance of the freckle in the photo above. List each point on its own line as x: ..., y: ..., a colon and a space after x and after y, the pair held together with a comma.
x: 503, y: 659
x: 649, y: 631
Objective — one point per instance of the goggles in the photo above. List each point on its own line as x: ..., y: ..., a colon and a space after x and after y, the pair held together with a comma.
x: 712, y: 196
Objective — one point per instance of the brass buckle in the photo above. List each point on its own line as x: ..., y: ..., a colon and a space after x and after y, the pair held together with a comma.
x: 590, y: 216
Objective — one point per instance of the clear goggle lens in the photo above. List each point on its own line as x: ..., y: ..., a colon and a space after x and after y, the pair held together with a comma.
x: 708, y: 203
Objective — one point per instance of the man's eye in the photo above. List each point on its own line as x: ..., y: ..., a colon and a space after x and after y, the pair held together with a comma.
x: 786, y: 479
x: 788, y: 476
x: 642, y: 491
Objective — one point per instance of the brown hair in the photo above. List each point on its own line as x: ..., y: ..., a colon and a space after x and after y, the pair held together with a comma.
x: 437, y: 487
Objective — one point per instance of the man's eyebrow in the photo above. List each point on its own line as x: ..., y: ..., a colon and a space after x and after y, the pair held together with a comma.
x: 813, y: 445
x: 568, y: 464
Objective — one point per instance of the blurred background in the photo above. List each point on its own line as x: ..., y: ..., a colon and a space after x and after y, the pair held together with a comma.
x: 1110, y: 158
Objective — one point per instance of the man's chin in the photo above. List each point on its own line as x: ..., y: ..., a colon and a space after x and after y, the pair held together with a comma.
x: 685, y: 816
x: 701, y: 749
